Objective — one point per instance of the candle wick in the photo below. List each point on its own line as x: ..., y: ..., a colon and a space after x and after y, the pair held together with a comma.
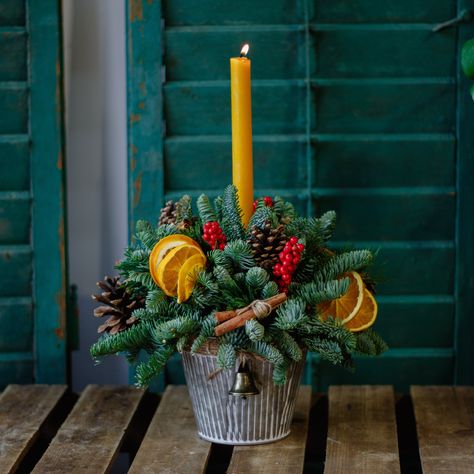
x: 242, y: 55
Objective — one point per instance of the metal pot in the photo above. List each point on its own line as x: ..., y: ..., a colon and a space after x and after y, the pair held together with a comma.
x: 227, y: 419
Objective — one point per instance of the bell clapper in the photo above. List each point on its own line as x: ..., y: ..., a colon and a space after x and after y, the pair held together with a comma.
x: 244, y: 384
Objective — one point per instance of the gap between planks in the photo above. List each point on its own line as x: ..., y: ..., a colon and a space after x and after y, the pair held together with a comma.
x: 171, y: 444
x: 24, y: 410
x: 90, y: 438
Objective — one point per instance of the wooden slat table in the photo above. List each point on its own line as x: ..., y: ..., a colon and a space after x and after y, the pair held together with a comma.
x: 356, y: 429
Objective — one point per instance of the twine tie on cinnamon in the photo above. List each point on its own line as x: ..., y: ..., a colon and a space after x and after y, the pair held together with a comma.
x: 260, y: 308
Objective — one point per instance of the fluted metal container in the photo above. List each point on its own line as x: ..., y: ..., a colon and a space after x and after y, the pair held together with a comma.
x: 227, y: 419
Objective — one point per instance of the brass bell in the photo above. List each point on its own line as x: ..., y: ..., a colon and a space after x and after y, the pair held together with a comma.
x: 244, y: 384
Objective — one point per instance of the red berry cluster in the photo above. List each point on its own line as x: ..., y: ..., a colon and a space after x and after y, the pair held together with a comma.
x: 267, y: 200
x: 289, y: 258
x: 214, y: 236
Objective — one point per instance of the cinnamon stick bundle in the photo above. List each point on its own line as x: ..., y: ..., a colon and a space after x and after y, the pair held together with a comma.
x: 231, y: 320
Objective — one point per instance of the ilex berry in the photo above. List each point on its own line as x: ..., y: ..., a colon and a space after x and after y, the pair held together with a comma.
x: 268, y: 201
x: 289, y: 258
x: 214, y: 236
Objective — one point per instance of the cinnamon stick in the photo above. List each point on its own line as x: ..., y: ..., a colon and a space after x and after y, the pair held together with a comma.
x: 222, y: 316
x: 238, y: 321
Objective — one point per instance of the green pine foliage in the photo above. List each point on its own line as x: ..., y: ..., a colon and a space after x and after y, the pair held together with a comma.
x: 232, y: 280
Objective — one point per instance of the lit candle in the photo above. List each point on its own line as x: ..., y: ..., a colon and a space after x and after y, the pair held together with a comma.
x: 242, y: 162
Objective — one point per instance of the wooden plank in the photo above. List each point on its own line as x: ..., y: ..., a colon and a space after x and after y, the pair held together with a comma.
x: 391, y: 216
x: 15, y: 270
x: 47, y: 172
x: 444, y: 422
x: 12, y: 12
x: 13, y: 108
x: 286, y: 456
x: 14, y: 218
x: 90, y: 438
x: 277, y: 53
x: 398, y: 367
x: 23, y: 410
x: 15, y: 163
x: 362, y: 431
x: 382, y: 11
x: 16, y: 324
x: 373, y: 107
x: 171, y: 443
x: 13, y: 54
x: 210, y: 12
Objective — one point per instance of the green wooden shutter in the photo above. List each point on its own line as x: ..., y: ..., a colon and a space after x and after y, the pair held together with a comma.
x: 32, y: 253
x: 358, y: 106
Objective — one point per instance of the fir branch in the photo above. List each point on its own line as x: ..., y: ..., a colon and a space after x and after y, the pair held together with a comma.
x: 262, y: 214
x: 267, y: 351
x: 146, y: 234
x: 232, y: 215
x: 156, y: 300
x: 269, y: 290
x: 146, y: 371
x: 288, y: 345
x: 370, y: 343
x: 284, y: 211
x: 327, y: 349
x: 218, y: 257
x: 254, y: 330
x: 218, y: 204
x: 280, y: 373
x: 343, y: 263
x: 205, y: 209
x: 207, y: 330
x: 315, y: 293
x: 226, y: 356
x: 240, y: 253
x: 256, y: 280
x: 132, y: 339
x: 290, y: 314
x: 174, y: 329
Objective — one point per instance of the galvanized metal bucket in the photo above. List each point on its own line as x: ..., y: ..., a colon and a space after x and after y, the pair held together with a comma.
x: 226, y: 419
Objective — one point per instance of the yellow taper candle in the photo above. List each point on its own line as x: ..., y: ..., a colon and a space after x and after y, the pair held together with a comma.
x: 242, y: 162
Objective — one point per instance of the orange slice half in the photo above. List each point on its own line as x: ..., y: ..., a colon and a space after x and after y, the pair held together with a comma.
x: 366, y: 315
x: 348, y: 305
x: 188, y: 275
x: 168, y: 270
x: 163, y: 247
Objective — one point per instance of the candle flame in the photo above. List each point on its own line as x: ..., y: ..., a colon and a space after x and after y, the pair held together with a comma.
x: 244, y: 50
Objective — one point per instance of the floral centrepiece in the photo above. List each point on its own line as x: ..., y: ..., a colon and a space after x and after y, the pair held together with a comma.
x: 191, y: 270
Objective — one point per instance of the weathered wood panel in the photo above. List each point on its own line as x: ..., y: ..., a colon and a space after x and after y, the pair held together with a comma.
x: 23, y: 410
x: 383, y: 11
x: 362, y: 431
x: 393, y: 52
x: 90, y: 438
x: 12, y: 13
x: 280, y: 108
x: 370, y: 106
x: 210, y: 12
x: 15, y: 270
x: 276, y: 53
x: 13, y: 54
x: 445, y: 426
x: 15, y: 163
x: 14, y: 218
x: 355, y: 161
x: 171, y: 443
x: 16, y: 324
x: 283, y: 457
x: 391, y: 216
x: 398, y: 367
x: 13, y: 107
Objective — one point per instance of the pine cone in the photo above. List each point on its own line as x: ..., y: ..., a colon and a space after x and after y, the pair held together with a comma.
x: 266, y: 244
x: 168, y: 214
x: 118, y: 304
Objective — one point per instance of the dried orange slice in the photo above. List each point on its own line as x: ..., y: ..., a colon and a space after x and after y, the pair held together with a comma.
x: 161, y: 249
x: 347, y: 306
x: 188, y: 275
x: 168, y: 269
x: 366, y: 315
